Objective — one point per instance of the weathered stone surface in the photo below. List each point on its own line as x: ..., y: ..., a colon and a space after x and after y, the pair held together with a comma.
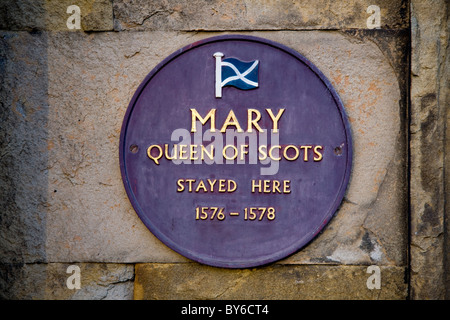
x: 20, y: 281
x: 447, y: 196
x: 103, y: 281
x: 254, y: 15
x: 96, y: 15
x: 23, y: 147
x: 192, y: 281
x: 90, y: 87
x: 49, y: 282
x: 429, y: 104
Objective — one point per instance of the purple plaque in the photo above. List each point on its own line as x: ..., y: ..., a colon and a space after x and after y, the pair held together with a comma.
x: 235, y: 151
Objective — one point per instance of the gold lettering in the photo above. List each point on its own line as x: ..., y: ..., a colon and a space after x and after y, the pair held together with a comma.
x: 297, y: 152
x: 243, y: 146
x: 191, y: 185
x: 201, y: 185
x: 195, y: 115
x: 180, y: 186
x: 190, y: 181
x: 224, y: 152
x: 253, y: 122
x: 222, y: 185
x: 262, y: 153
x: 231, y: 121
x: 174, y: 152
x: 319, y: 155
x: 183, y: 151
x: 210, y: 155
x: 276, y: 186
x: 193, y: 152
x: 232, y: 189
x: 305, y: 148
x: 271, y: 186
x: 287, y: 186
x: 253, y: 118
x: 212, y: 183
x: 266, y: 186
x: 149, y: 153
x: 254, y: 186
x: 270, y: 153
x: 275, y: 119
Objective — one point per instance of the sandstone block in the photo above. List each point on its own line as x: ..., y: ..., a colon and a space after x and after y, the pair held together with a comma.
x: 278, y: 282
x: 49, y: 281
x: 254, y: 15
x: 95, y: 15
x: 429, y: 104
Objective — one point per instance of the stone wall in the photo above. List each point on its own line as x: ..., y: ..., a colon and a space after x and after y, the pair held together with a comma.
x: 429, y: 194
x: 63, y: 96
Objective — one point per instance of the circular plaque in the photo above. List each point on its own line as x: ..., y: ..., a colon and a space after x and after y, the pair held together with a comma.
x: 235, y: 151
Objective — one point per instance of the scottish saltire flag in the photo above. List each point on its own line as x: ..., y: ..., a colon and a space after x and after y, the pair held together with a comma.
x: 236, y: 73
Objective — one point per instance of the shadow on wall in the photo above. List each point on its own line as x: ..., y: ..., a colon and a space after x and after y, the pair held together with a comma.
x: 23, y: 145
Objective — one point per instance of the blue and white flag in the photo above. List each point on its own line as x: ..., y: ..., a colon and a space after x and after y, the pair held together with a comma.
x: 236, y: 73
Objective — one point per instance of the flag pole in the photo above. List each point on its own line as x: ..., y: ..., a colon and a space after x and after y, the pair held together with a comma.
x: 218, y: 56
